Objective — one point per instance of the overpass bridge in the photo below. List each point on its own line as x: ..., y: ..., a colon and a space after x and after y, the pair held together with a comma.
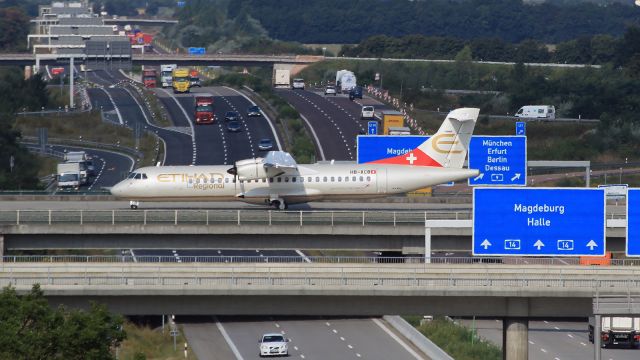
x: 410, y: 232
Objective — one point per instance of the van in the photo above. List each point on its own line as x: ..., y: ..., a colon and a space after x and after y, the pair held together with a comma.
x: 367, y: 112
x: 547, y: 112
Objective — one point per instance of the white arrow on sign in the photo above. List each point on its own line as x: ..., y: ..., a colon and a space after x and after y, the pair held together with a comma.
x: 539, y: 244
x: 478, y: 178
x: 515, y: 177
x: 591, y: 244
x: 485, y: 244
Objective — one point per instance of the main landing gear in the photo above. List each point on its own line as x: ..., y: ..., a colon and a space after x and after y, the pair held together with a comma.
x: 134, y: 204
x: 279, y: 204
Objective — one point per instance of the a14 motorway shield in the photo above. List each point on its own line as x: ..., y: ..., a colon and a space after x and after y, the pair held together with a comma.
x: 538, y: 222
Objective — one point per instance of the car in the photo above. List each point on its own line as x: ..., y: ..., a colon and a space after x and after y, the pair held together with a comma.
x: 234, y: 126
x: 356, y: 92
x: 367, y: 112
x: 297, y: 84
x: 254, y: 111
x: 273, y: 344
x: 265, y: 144
x: 330, y: 89
x: 232, y: 116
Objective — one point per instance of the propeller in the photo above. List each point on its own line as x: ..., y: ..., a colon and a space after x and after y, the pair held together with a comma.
x: 233, y: 171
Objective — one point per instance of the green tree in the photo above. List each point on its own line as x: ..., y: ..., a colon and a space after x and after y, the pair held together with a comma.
x: 31, y: 329
x: 14, y: 28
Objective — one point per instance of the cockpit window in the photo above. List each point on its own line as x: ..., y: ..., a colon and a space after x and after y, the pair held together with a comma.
x: 137, y: 176
x: 132, y: 175
x: 144, y: 176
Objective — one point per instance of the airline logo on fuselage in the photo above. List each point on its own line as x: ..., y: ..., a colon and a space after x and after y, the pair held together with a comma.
x: 443, y: 144
x: 198, y: 181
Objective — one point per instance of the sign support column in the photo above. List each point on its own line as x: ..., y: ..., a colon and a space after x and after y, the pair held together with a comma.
x: 427, y: 243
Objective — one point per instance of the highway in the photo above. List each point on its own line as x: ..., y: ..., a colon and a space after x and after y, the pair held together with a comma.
x: 319, y: 338
x: 553, y: 340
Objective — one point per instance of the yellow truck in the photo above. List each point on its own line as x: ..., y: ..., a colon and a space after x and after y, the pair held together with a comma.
x: 391, y: 119
x: 180, y: 80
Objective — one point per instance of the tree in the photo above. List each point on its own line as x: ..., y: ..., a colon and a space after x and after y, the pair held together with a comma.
x: 14, y: 28
x: 31, y: 329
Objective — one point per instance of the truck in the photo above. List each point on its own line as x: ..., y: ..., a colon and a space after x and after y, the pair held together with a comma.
x: 166, y: 72
x: 617, y: 330
x: 194, y: 78
x: 68, y: 176
x: 281, y: 78
x: 204, y: 112
x: 345, y: 81
x: 149, y: 78
x: 82, y: 159
x: 180, y: 80
x: 546, y: 112
x: 391, y: 119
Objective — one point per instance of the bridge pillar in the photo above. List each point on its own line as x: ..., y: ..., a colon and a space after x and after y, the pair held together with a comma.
x: 515, y: 338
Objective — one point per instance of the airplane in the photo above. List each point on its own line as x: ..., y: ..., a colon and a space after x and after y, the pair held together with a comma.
x: 278, y: 181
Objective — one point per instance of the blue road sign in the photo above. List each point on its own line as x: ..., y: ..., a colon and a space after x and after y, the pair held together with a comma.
x: 502, y: 160
x: 521, y: 128
x: 633, y: 222
x: 372, y: 127
x: 197, y: 51
x: 539, y: 221
x: 373, y: 148
x: 181, y: 3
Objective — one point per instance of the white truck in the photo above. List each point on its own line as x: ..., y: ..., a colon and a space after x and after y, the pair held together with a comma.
x: 68, y: 176
x: 82, y: 159
x: 617, y: 330
x: 547, y: 112
x: 281, y: 78
x: 345, y: 81
x: 166, y: 74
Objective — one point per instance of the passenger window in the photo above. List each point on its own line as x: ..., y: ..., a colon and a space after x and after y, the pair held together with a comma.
x: 353, y: 179
x: 270, y: 180
x: 264, y: 180
x: 293, y: 179
x: 219, y: 180
x: 333, y: 179
x: 368, y: 178
x: 226, y: 180
x: 309, y: 179
x: 324, y: 179
x: 279, y: 179
x: 301, y: 179
x: 346, y: 179
x: 361, y: 178
x: 241, y: 181
x: 317, y: 178
x: 286, y: 179
x: 339, y: 178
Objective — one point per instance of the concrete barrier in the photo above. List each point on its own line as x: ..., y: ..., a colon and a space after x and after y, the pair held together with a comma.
x: 417, y: 338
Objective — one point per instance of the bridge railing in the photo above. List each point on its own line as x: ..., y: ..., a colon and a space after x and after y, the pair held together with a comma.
x: 227, y: 259
x: 214, y: 217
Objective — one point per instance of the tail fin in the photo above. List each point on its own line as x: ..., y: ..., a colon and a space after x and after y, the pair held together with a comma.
x: 450, y: 145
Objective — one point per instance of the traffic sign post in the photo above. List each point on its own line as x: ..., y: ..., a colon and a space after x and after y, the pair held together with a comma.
x: 372, y: 127
x: 502, y: 160
x: 539, y: 222
x: 633, y: 222
x: 521, y: 128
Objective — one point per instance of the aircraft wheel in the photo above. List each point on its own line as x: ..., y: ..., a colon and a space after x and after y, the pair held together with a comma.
x: 283, y: 206
x: 134, y: 207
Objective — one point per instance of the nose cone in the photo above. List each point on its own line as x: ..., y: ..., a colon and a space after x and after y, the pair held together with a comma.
x: 118, y: 190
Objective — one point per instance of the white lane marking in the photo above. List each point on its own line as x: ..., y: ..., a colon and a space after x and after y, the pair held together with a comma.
x: 546, y: 322
x: 556, y: 358
x: 303, y: 256
x: 397, y: 339
x: 358, y: 355
x: 328, y: 324
x: 342, y: 338
x: 557, y: 328
x: 350, y: 346
x: 531, y: 342
x: 193, y: 130
x: 543, y: 350
x: 146, y: 118
x: 95, y: 180
x: 273, y: 129
x: 583, y: 344
x: 114, y: 106
x: 569, y: 335
x: 277, y: 325
x: 301, y: 356
x: 335, y: 331
x: 315, y: 136
x: 295, y: 348
x: 226, y: 337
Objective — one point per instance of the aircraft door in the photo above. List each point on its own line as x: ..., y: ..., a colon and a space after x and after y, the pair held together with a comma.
x: 381, y: 180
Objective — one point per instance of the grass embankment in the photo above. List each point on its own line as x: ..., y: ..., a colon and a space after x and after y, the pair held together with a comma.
x: 145, y: 343
x: 48, y: 165
x: 457, y: 341
x: 89, y: 127
x: 296, y: 138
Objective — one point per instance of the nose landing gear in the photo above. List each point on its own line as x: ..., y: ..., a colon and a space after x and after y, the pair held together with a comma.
x: 279, y: 204
x: 134, y: 204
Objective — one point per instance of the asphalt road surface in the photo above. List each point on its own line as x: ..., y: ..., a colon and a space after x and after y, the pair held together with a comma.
x: 554, y: 340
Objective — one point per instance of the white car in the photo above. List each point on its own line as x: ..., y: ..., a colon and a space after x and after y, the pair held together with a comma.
x: 297, y: 84
x: 330, y: 89
x: 367, y: 112
x: 273, y: 345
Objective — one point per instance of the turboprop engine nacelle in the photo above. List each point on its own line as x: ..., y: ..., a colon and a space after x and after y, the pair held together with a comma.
x: 249, y: 169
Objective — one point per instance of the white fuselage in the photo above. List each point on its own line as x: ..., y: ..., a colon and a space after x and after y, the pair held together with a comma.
x: 308, y: 183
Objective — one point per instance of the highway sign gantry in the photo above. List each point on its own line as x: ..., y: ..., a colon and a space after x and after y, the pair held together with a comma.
x: 538, y: 222
x: 633, y: 222
x: 502, y: 160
